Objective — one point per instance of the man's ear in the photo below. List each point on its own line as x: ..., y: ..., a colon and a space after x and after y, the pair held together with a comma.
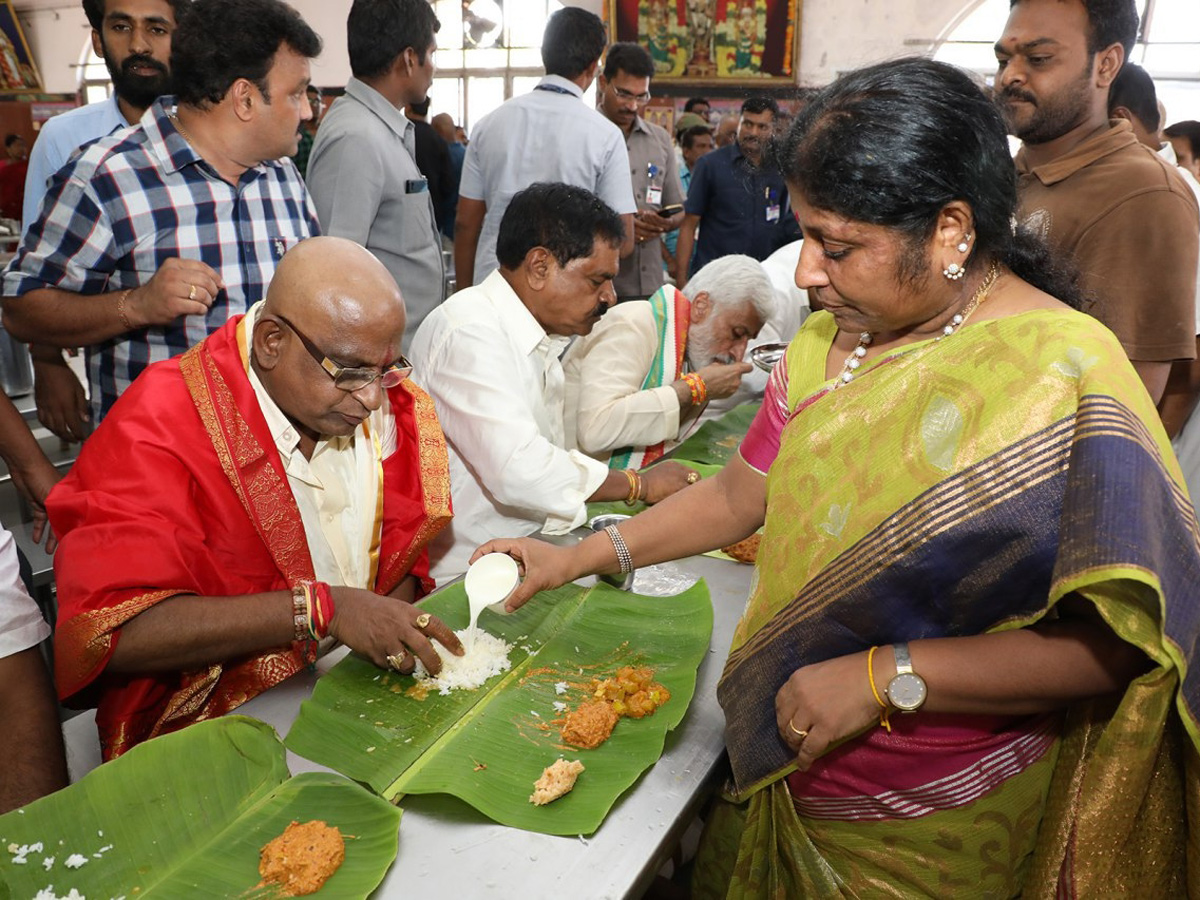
x: 1120, y: 112
x: 701, y: 307
x: 97, y: 43
x: 244, y: 94
x: 267, y: 343
x: 538, y: 263
x: 1108, y: 64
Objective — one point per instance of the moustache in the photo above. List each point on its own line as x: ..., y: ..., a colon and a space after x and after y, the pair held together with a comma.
x: 600, y: 310
x: 142, y: 61
x: 1012, y: 93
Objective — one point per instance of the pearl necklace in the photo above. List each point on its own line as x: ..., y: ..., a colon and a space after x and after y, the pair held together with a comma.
x: 854, y: 360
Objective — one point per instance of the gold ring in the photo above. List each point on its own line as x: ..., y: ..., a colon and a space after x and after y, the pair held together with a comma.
x: 800, y: 733
x: 693, y: 477
x: 395, y: 660
x: 192, y: 292
x: 423, y: 620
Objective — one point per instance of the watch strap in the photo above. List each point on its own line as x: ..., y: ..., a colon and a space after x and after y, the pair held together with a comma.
x: 903, y: 658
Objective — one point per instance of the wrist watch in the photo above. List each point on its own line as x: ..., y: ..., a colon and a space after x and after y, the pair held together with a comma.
x: 907, y: 690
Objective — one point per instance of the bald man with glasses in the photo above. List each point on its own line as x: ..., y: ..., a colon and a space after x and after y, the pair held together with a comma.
x: 271, y: 490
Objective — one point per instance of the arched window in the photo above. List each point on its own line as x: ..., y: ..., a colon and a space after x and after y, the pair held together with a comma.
x: 94, y: 83
x: 1168, y: 48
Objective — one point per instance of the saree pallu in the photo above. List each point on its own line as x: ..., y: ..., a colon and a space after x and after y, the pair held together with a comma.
x: 955, y: 488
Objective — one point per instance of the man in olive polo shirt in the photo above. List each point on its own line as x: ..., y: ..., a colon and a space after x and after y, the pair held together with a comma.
x: 624, y: 90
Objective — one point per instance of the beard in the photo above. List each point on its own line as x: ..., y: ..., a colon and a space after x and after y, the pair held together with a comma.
x: 138, y: 90
x: 701, y: 348
x: 1052, y: 116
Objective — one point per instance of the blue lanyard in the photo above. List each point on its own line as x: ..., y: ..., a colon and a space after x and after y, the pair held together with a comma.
x: 554, y: 88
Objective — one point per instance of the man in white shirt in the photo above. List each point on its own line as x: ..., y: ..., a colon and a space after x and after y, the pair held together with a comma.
x: 489, y: 357
x: 34, y: 763
x: 634, y: 390
x: 545, y: 135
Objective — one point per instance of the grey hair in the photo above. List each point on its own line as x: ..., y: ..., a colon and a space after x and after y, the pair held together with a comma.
x: 732, y: 281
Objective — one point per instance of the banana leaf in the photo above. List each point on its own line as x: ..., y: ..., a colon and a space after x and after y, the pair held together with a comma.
x: 185, y: 814
x: 487, y: 747
x: 715, y: 442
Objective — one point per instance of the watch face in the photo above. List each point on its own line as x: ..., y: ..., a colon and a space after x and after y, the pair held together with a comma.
x: 907, y: 691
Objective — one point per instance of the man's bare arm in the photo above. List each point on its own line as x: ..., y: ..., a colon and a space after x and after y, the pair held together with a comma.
x: 1154, y: 376
x: 1181, y: 393
x: 181, y: 287
x: 34, y: 761
x: 468, y: 224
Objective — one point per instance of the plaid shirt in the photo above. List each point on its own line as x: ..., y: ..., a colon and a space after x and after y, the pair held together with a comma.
x: 126, y: 204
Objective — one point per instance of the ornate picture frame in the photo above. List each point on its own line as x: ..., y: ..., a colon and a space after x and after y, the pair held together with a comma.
x: 713, y: 42
x: 18, y: 71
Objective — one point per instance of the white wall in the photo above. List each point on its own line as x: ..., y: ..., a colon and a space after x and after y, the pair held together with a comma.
x: 835, y: 35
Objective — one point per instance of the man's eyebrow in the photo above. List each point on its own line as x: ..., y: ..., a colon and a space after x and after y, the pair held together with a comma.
x: 1028, y: 45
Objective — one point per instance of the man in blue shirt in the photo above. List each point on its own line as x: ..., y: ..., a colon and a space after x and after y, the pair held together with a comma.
x: 133, y: 37
x: 740, y: 198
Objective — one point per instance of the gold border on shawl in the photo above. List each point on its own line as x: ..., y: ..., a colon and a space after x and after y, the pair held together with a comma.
x: 434, y: 465
x: 87, y: 638
x: 375, y: 537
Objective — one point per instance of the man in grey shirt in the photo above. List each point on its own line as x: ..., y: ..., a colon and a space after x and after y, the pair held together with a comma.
x: 545, y: 135
x: 362, y: 172
x: 624, y: 93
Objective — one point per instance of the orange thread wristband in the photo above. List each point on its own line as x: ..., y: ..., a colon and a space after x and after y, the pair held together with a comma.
x: 883, y: 707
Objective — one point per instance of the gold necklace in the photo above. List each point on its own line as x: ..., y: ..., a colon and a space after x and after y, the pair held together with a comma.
x: 854, y: 360
x: 179, y: 127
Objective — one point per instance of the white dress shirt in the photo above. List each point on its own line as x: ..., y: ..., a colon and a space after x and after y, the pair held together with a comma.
x: 21, y: 622
x: 497, y: 383
x: 338, y: 490
x: 606, y: 407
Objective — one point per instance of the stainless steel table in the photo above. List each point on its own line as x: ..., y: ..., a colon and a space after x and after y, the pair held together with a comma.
x: 448, y: 850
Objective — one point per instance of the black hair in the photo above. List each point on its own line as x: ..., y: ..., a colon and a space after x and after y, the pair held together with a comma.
x: 378, y: 31
x: 573, y: 40
x: 1109, y: 22
x: 632, y: 59
x: 892, y: 144
x: 95, y: 9
x: 565, y: 219
x: 219, y: 41
x: 1133, y: 88
x: 12, y: 139
x: 756, y: 105
x: 693, y: 102
x: 690, y: 134
x: 1188, y: 129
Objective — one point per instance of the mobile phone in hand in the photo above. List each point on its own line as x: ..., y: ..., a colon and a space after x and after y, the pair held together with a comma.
x: 667, y: 211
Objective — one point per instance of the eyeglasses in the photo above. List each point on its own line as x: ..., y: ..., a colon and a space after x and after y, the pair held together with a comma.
x: 350, y: 379
x: 636, y: 98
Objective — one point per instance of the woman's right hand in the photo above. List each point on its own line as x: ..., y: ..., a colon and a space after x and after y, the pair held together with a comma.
x: 542, y: 566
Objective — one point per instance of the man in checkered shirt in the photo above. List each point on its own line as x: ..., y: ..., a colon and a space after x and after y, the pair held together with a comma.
x: 153, y: 237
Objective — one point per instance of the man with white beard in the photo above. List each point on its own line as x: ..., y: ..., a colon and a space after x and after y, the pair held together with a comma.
x: 638, y: 383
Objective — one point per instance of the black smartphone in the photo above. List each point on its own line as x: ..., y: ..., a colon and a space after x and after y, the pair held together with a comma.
x: 667, y: 211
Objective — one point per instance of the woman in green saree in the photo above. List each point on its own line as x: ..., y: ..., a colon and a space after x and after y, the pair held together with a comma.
x: 964, y: 667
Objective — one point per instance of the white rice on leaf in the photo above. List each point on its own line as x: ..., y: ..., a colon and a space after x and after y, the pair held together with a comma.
x: 488, y: 657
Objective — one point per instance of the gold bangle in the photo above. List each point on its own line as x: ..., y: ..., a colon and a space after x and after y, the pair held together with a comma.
x: 884, y: 711
x: 121, y: 312
x: 635, y: 486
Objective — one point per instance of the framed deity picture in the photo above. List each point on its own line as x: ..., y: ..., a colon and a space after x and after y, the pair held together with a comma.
x: 731, y: 42
x: 18, y: 72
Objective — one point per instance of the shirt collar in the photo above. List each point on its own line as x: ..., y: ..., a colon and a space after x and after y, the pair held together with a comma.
x: 639, y: 124
x: 1117, y: 136
x: 393, y: 118
x: 523, y: 329
x: 285, y: 435
x: 172, y: 149
x: 559, y: 81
